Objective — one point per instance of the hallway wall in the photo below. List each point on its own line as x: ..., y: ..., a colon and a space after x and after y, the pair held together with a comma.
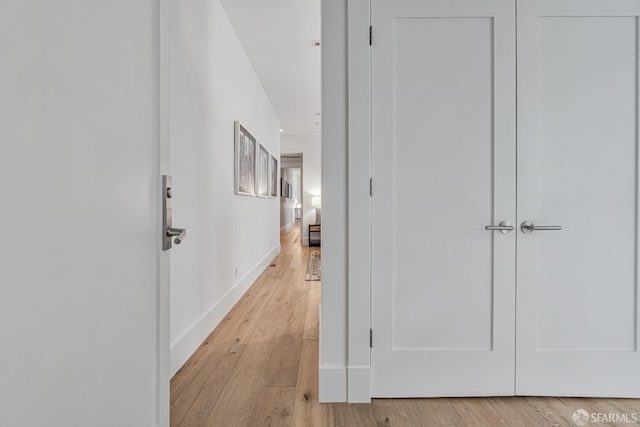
x: 310, y: 147
x: 231, y: 238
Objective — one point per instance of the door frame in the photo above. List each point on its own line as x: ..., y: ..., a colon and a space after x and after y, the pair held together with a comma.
x: 359, y: 202
x: 295, y: 161
x: 163, y: 162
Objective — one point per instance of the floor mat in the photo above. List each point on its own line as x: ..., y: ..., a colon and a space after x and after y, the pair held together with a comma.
x: 314, y: 268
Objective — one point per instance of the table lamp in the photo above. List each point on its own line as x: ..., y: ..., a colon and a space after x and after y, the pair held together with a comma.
x: 316, y: 202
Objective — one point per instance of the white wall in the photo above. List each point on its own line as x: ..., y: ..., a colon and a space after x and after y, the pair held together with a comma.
x: 287, y: 205
x: 231, y: 238
x: 310, y: 147
x: 333, y: 325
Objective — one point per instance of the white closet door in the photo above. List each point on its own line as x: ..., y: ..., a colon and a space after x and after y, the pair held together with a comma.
x: 443, y: 161
x: 577, y: 295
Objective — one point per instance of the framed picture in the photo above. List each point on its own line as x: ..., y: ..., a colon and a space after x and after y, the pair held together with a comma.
x: 273, y: 177
x: 262, y: 172
x: 245, y: 161
x: 289, y: 190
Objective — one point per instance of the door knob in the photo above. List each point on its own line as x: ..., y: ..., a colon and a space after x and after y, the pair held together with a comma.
x: 528, y: 227
x: 179, y: 233
x: 504, y: 227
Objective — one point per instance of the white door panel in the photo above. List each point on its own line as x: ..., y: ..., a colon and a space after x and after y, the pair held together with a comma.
x: 577, y: 293
x: 79, y: 176
x: 443, y: 155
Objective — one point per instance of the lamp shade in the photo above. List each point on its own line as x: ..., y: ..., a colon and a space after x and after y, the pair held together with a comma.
x: 316, y: 202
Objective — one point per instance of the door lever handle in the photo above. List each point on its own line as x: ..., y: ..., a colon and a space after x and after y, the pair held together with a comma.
x: 528, y: 227
x: 504, y: 227
x: 179, y: 233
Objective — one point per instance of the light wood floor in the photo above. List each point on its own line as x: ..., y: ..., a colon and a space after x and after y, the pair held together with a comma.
x: 259, y: 367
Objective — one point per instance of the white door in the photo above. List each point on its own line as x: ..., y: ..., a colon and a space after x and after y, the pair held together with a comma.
x: 577, y: 298
x: 443, y: 161
x: 79, y: 174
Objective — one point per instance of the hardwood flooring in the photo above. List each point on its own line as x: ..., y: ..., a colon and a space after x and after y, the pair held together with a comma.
x: 259, y: 367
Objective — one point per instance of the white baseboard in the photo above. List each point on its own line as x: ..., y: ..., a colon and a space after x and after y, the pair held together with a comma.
x: 359, y: 384
x: 189, y: 341
x: 332, y: 378
x: 333, y: 384
x: 288, y: 226
x: 305, y: 240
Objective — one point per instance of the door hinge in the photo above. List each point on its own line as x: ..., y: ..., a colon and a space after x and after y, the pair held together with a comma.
x: 370, y: 35
x: 370, y: 338
x: 370, y: 186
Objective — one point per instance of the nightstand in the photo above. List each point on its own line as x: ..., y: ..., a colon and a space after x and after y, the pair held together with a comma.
x: 314, y: 234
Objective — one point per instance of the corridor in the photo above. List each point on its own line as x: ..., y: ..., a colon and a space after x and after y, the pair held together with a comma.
x: 259, y: 367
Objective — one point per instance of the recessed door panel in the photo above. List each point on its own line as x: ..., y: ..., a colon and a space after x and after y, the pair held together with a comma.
x: 430, y: 156
x: 587, y: 182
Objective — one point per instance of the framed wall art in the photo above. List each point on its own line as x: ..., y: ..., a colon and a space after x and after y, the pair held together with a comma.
x: 245, y: 161
x: 262, y: 172
x: 273, y: 177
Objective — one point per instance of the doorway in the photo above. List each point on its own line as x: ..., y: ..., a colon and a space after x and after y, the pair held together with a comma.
x: 291, y: 193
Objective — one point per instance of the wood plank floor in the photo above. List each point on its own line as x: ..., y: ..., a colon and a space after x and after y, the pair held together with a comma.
x: 259, y: 367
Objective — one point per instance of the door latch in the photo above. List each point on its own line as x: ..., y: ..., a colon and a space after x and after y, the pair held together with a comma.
x: 168, y: 231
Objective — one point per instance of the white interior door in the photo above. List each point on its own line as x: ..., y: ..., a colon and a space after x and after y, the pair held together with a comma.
x: 79, y: 174
x: 443, y: 161
x: 577, y: 298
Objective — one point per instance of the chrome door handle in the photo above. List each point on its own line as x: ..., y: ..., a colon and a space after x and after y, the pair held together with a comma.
x: 504, y: 227
x: 167, y: 217
x: 179, y: 233
x: 528, y: 227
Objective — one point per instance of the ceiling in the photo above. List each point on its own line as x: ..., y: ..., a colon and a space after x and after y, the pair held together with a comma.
x: 277, y: 37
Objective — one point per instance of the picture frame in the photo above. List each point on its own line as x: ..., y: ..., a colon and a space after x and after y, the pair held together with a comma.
x: 245, y: 147
x: 262, y: 172
x: 273, y: 177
